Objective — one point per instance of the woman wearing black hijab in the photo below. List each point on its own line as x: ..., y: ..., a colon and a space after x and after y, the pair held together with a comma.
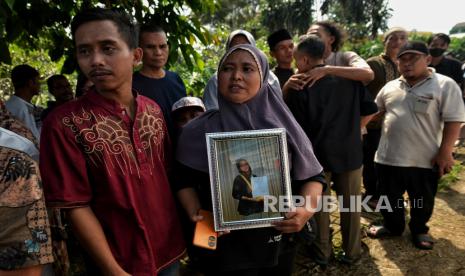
x: 246, y: 102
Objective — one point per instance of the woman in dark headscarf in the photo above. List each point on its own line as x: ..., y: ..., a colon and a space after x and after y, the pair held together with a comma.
x: 246, y: 102
x: 210, y: 93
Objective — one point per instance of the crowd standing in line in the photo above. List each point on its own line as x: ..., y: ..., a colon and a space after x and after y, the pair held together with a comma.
x: 117, y: 161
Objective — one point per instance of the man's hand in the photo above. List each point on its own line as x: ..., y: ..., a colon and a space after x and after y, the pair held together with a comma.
x: 89, y: 232
x: 444, y: 162
x: 294, y: 221
x: 299, y: 81
x: 443, y: 158
x: 295, y: 82
x: 315, y: 74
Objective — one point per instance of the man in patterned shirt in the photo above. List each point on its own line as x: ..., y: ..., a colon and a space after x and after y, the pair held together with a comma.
x: 25, y: 242
x: 105, y: 157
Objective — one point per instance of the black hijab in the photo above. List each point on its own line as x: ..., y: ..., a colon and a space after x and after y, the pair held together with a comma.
x: 266, y: 110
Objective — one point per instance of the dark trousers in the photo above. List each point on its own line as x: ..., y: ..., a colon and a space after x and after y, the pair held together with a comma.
x: 288, y: 251
x: 370, y: 145
x: 421, y: 186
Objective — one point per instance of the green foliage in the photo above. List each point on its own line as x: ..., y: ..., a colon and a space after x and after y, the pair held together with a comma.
x: 262, y: 44
x: 361, y: 18
x: 197, y: 30
x: 365, y: 48
x: 22, y: 21
x: 457, y: 48
x: 295, y: 16
x: 420, y: 36
x: 25, y: 21
x: 252, y: 15
x: 196, y: 80
x: 239, y: 14
x: 37, y: 58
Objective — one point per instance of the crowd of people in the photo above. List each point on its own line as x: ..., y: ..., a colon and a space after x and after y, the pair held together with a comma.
x: 117, y: 172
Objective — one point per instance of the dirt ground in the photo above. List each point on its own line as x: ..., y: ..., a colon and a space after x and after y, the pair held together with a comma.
x: 397, y: 255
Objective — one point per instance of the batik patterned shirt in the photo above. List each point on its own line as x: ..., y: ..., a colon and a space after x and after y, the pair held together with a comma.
x: 24, y: 228
x: 8, y: 121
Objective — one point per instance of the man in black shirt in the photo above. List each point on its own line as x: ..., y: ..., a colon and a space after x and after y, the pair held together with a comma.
x: 153, y: 81
x: 281, y: 46
x: 332, y: 112
x: 443, y: 64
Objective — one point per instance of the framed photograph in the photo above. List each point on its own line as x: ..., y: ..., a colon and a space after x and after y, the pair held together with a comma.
x: 247, y: 168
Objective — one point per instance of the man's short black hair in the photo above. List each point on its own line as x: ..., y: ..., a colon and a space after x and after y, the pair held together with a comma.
x: 276, y: 37
x: 123, y: 22
x: 150, y: 28
x: 311, y: 45
x: 334, y: 30
x: 53, y: 79
x: 441, y: 36
x: 22, y: 74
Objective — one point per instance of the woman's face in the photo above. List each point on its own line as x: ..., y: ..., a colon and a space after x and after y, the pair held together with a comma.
x: 239, y: 77
x: 244, y: 167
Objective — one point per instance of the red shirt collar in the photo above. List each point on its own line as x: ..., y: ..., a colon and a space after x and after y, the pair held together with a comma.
x: 111, y: 105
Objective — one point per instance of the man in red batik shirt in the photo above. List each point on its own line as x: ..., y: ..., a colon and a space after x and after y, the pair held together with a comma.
x: 104, y: 157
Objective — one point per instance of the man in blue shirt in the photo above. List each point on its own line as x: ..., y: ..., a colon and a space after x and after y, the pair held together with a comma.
x: 162, y: 86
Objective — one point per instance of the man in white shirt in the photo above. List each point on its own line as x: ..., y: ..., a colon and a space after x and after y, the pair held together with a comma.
x: 423, y: 111
x: 26, y: 84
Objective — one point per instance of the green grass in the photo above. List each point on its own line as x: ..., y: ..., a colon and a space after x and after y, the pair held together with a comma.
x: 451, y: 177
